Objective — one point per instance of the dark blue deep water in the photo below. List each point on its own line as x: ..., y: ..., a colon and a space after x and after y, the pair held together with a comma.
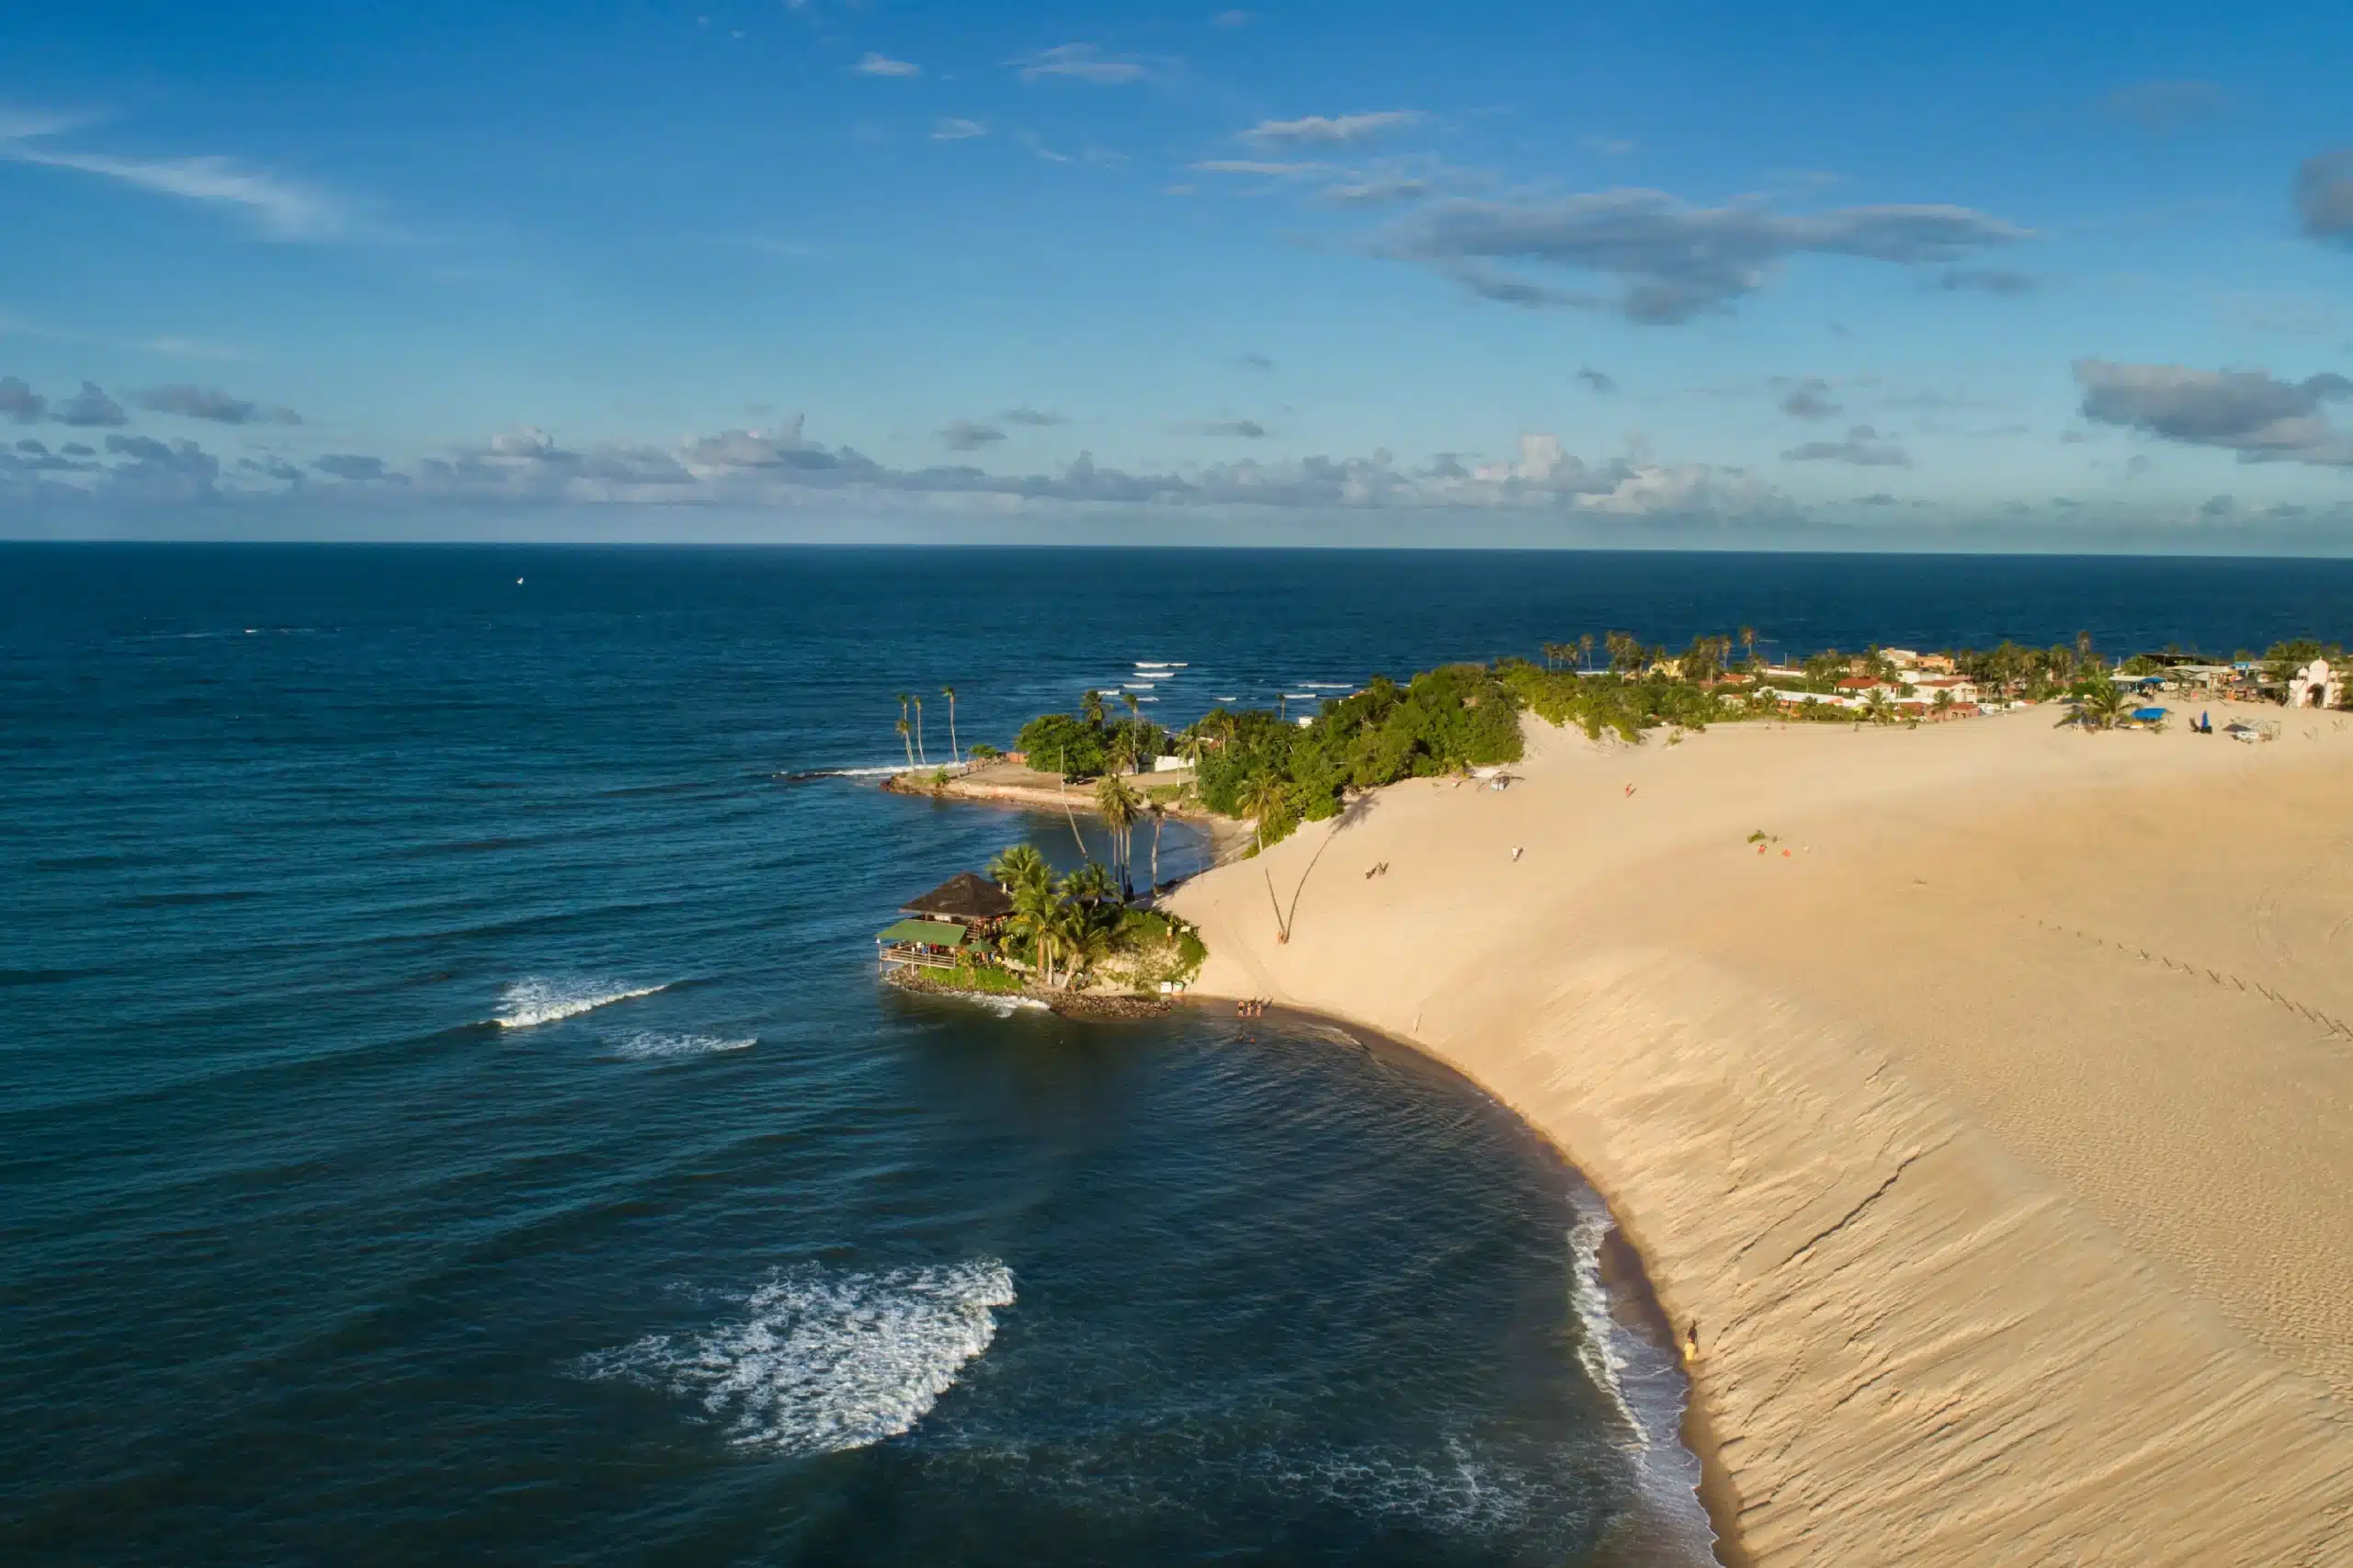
x: 447, y: 1111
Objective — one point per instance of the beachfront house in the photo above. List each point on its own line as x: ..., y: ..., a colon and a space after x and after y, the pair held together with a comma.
x: 936, y: 928
x: 1925, y: 686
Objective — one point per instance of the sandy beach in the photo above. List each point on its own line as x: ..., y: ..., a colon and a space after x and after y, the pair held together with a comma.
x: 1992, y: 1113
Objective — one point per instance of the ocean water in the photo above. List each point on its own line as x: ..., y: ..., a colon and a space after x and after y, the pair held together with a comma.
x: 447, y: 1111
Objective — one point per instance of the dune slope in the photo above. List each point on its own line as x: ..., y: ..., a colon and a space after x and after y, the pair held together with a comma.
x: 1993, y: 1114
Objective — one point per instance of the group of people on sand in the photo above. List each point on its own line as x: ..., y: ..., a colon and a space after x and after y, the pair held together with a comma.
x: 1379, y: 869
x: 1252, y: 1007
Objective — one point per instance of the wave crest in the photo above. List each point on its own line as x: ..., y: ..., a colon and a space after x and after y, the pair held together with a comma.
x: 819, y: 1362
x: 648, y: 1045
x: 535, y: 1000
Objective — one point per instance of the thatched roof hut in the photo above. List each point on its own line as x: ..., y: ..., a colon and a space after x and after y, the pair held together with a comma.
x: 966, y: 897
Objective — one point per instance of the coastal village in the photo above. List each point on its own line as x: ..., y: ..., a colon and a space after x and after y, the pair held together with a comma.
x: 1090, y: 941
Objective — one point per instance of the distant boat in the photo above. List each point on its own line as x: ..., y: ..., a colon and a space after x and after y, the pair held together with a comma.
x: 518, y: 582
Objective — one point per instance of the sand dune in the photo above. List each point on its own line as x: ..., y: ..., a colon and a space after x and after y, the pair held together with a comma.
x: 1994, y: 1121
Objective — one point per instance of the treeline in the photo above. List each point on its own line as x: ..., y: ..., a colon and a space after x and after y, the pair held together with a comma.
x: 1260, y: 766
x: 1092, y: 742
x: 1251, y: 764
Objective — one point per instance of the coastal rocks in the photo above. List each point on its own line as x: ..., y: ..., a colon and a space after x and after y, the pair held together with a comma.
x: 1092, y: 1006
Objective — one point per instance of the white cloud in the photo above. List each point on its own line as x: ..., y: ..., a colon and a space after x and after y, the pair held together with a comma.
x: 1329, y: 130
x: 1262, y: 168
x: 1084, y: 62
x: 283, y: 209
x: 953, y: 129
x: 883, y: 65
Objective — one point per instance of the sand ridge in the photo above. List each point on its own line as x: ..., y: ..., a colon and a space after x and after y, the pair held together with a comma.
x: 1993, y: 1113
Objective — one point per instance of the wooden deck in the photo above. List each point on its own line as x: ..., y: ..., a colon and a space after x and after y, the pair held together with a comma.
x: 918, y: 957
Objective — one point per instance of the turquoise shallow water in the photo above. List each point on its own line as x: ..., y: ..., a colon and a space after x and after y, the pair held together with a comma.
x: 447, y: 1111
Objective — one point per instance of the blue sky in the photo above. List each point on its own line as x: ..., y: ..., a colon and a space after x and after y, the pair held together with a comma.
x: 2012, y: 277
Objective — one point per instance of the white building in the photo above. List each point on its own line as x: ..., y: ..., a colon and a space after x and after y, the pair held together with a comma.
x: 2315, y: 686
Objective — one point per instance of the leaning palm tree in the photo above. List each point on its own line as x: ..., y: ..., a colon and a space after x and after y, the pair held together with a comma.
x: 1264, y: 800
x: 1159, y: 815
x: 1122, y: 807
x: 953, y: 749
x: 919, y: 751
x: 906, y: 738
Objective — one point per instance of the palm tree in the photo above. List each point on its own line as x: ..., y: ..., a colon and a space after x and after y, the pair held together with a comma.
x: 2101, y: 703
x: 1090, y: 706
x: 1878, y: 709
x: 1083, y: 940
x: 1038, y: 916
x: 907, y: 735
x: 1585, y: 650
x: 1120, y: 806
x: 1265, y: 799
x: 1748, y: 642
x: 1019, y: 866
x: 958, y: 751
x: 1090, y: 884
x: 1159, y: 815
x: 919, y: 751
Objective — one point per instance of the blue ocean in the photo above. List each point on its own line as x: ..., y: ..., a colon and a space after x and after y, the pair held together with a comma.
x: 448, y: 1112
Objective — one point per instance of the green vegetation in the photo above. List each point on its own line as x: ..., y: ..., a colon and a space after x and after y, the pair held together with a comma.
x: 1256, y: 766
x: 1068, y: 930
x: 1252, y: 764
x: 1623, y: 702
x: 1087, y: 744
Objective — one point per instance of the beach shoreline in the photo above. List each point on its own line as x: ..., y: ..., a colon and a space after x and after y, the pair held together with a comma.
x: 1934, y: 1328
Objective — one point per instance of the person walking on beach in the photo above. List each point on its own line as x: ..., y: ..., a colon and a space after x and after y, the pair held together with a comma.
x: 1691, y: 1341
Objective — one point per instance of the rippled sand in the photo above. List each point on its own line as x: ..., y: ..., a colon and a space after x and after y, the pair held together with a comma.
x: 1992, y: 1113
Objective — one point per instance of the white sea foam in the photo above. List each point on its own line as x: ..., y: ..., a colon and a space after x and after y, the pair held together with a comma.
x: 543, y: 1001
x: 649, y: 1045
x: 1644, y: 1380
x: 818, y: 1362
x: 1603, y: 1359
x: 1161, y: 664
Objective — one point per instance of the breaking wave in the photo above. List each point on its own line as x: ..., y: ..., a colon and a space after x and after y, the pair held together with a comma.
x: 817, y: 1361
x: 1644, y: 1380
x: 804, y: 775
x: 651, y: 1045
x: 1600, y: 1355
x: 537, y: 1001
